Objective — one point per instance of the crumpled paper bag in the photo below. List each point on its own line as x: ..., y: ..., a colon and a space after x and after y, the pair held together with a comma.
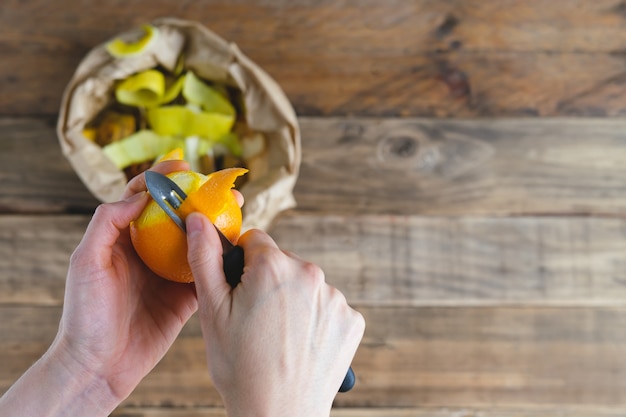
x: 268, y: 111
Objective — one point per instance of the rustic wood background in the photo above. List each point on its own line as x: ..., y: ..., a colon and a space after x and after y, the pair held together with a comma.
x: 463, y: 183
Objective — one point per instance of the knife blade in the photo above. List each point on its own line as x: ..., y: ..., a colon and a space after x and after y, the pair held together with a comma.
x: 169, y: 196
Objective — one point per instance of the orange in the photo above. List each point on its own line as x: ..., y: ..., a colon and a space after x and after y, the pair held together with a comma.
x: 162, y: 245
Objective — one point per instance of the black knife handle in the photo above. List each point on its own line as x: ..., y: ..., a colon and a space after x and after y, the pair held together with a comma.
x: 233, y: 269
x: 348, y: 381
x: 233, y: 265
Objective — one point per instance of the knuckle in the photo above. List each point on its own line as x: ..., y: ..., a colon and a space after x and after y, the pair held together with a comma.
x: 358, y: 322
x: 353, y: 319
x: 103, y: 211
x: 249, y: 236
x: 82, y: 259
x: 271, y: 260
x: 76, y: 258
x: 135, y: 185
x: 338, y: 297
x: 313, y: 272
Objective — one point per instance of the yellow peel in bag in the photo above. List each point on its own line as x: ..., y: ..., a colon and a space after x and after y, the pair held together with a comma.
x: 141, y: 146
x: 119, y: 49
x: 210, y: 125
x: 148, y: 89
x: 182, y: 121
x: 198, y: 92
x: 173, y: 90
x: 168, y: 121
x: 144, y: 89
x: 232, y: 143
x: 90, y: 133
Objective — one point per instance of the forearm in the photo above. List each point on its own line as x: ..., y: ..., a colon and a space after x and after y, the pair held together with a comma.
x: 55, y: 386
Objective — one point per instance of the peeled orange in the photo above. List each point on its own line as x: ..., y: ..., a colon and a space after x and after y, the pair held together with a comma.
x: 162, y: 245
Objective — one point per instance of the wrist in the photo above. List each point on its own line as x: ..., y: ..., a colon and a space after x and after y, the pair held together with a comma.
x: 269, y: 404
x: 87, y: 388
x: 58, y: 385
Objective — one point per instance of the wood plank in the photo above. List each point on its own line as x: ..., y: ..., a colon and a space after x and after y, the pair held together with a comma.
x: 390, y: 412
x: 400, y: 260
x: 387, y: 166
x: 475, y: 357
x: 34, y: 257
x: 169, y: 412
x: 35, y: 176
x: 385, y: 260
x: 458, y: 167
x: 417, y: 58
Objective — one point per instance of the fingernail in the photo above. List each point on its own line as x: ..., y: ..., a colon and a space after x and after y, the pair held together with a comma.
x: 194, y: 223
x: 136, y: 197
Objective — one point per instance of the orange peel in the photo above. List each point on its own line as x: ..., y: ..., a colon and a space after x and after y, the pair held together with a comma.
x: 162, y: 245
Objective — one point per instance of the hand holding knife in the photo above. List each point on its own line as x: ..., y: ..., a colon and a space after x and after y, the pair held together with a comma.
x: 169, y: 196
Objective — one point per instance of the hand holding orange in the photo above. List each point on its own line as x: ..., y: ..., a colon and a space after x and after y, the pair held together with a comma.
x: 162, y: 245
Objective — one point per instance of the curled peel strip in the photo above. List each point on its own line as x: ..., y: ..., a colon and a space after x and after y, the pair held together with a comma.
x: 120, y: 48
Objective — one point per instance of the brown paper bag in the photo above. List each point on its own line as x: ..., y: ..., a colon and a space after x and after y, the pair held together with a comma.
x: 268, y: 111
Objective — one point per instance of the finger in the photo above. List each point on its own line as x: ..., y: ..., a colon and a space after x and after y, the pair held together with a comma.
x: 256, y: 238
x: 264, y: 262
x: 106, y: 225
x: 138, y: 183
x: 204, y: 255
x: 239, y: 197
x: 293, y: 255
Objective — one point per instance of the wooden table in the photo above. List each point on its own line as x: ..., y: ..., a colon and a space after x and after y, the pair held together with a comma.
x: 463, y: 183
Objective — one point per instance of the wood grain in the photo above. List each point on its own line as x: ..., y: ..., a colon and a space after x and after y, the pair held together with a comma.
x: 399, y: 260
x: 385, y: 260
x: 458, y: 167
x: 35, y: 176
x: 477, y: 357
x: 34, y: 257
x: 387, y: 166
x: 485, y: 251
x: 388, y: 412
x: 394, y: 58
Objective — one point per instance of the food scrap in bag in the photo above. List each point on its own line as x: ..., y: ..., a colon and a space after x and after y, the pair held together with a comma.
x: 155, y: 111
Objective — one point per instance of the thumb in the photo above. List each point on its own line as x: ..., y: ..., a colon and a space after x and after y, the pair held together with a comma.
x: 105, y: 227
x: 204, y: 255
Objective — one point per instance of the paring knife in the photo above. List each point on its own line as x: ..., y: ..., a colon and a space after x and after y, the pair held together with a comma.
x: 169, y: 196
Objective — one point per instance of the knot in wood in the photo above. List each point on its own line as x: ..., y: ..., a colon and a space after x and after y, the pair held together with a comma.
x: 399, y: 147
